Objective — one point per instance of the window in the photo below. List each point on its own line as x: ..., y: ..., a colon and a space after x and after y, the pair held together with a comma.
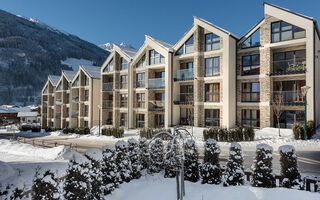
x: 251, y: 92
x: 142, y: 62
x: 123, y: 100
x: 212, y: 42
x: 253, y: 40
x: 186, y: 116
x: 289, y: 117
x: 123, y: 119
x: 141, y: 100
x: 124, y: 64
x: 140, y: 120
x: 59, y: 86
x: 251, y: 65
x: 86, y: 80
x: 187, y: 47
x: 124, y: 81
x: 76, y: 82
x: 250, y: 118
x: 289, y: 62
x: 141, y: 82
x: 212, y: 66
x: 86, y: 95
x: 155, y: 57
x: 109, y: 67
x: 186, y: 93
x: 45, y: 90
x: 212, y: 117
x: 212, y: 92
x: 282, y: 31
x: 158, y: 120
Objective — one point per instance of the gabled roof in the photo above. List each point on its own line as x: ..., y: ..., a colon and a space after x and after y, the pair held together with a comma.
x: 27, y: 114
x: 92, y: 71
x: 69, y: 74
x: 255, y: 27
x: 166, y: 45
x: 54, y: 79
x: 128, y: 50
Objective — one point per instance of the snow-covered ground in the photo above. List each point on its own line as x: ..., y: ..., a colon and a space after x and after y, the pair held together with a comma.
x: 158, y: 188
x: 75, y: 62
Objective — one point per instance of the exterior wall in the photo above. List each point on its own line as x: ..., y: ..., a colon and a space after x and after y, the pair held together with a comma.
x: 317, y: 79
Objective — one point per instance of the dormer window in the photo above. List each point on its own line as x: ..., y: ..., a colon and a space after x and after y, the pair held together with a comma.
x: 142, y: 62
x: 187, y: 47
x: 212, y: 42
x: 109, y: 67
x: 253, y: 40
x: 155, y: 57
x: 282, y: 31
x: 124, y: 64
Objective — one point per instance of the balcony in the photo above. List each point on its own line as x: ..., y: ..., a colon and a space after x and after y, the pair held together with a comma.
x: 44, y: 104
x: 75, y: 115
x: 58, y: 102
x: 291, y: 66
x: 106, y: 104
x: 107, y: 86
x: 58, y: 115
x: 289, y: 98
x: 184, y: 75
x: 75, y: 99
x: 185, y: 99
x: 156, y: 83
x: 156, y: 106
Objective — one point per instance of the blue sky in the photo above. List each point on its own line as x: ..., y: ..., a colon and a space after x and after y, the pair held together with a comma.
x: 101, y: 21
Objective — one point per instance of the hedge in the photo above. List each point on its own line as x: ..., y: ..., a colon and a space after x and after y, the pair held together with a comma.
x: 148, y: 133
x: 298, y: 130
x: 231, y: 135
x: 115, y: 132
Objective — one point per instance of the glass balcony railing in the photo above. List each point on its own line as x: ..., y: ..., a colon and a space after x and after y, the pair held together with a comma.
x: 75, y: 99
x: 44, y: 104
x: 107, y: 86
x: 290, y: 66
x: 185, y: 99
x: 156, y: 106
x: 75, y: 115
x: 107, y: 104
x: 156, y: 83
x: 58, y: 101
x: 294, y: 98
x: 184, y: 75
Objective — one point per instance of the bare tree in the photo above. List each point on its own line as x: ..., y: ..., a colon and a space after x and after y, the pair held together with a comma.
x: 277, y: 105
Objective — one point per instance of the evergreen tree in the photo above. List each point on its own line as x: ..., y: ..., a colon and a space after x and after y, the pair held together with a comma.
x: 109, y: 170
x: 45, y: 186
x: 289, y: 167
x: 96, y: 182
x: 262, y: 173
x: 210, y: 169
x: 77, y: 185
x: 191, y: 164
x: 156, y: 156
x: 234, y: 174
x: 144, y: 153
x: 171, y: 161
x: 123, y: 162
x: 134, y: 155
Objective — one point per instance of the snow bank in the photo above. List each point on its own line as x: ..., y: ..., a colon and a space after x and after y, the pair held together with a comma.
x: 6, y: 171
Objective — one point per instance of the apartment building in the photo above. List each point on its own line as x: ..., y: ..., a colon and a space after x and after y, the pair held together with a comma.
x: 48, y: 101
x: 85, y: 97
x: 208, y: 78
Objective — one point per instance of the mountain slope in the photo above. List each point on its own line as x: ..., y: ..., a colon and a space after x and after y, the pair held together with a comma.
x: 30, y: 50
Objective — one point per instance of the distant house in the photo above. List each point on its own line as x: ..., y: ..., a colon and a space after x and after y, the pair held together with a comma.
x: 29, y: 117
x: 8, y: 115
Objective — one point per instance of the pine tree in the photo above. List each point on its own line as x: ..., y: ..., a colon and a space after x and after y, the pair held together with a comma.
x: 123, y: 162
x: 109, y: 170
x: 144, y: 153
x: 156, y: 156
x: 234, y: 174
x: 191, y: 164
x: 171, y: 161
x: 95, y: 159
x: 77, y: 185
x: 262, y: 173
x: 45, y: 186
x: 210, y: 169
x: 134, y: 155
x: 289, y: 167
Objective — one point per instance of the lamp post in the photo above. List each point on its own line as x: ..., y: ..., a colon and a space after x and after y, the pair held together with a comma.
x: 304, y: 92
x: 99, y: 107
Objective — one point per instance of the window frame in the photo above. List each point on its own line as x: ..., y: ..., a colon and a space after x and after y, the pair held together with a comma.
x: 140, y: 100
x: 124, y: 84
x: 124, y: 119
x: 140, y: 123
x: 109, y: 66
x: 155, y: 57
x: 212, y: 67
x: 250, y: 37
x: 251, y: 65
x: 124, y: 64
x: 214, y: 94
x: 141, y: 83
x: 211, y: 123
x: 280, y: 31
x: 250, y: 92
x: 142, y: 62
x: 123, y: 100
x: 211, y: 42
x: 183, y: 49
x: 250, y: 119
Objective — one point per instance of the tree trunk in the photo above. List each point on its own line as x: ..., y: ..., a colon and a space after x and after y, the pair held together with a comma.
x: 279, y: 126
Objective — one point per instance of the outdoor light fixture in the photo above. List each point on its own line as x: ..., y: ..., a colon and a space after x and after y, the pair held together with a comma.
x: 304, y: 92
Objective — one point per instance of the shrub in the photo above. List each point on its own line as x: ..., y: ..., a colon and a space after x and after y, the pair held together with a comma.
x: 298, y: 131
x: 115, y: 132
x: 156, y: 156
x: 134, y: 155
x: 191, y: 165
x: 68, y: 130
x: 311, y: 129
x: 210, y: 169
x: 123, y: 162
x: 45, y: 186
x: 148, y: 133
x: 262, y: 173
x: 232, y: 135
x: 239, y: 134
x: 171, y: 161
x: 82, y: 131
x: 109, y: 170
x: 223, y: 134
x: 144, y: 152
x: 234, y: 174
x: 36, y: 128
x: 248, y: 133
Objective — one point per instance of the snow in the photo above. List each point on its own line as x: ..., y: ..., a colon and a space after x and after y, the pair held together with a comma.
x: 93, y: 153
x: 163, y: 44
x: 93, y: 71
x: 265, y: 147
x: 158, y: 188
x: 75, y: 62
x: 235, y: 145
x: 286, y: 149
x: 6, y: 171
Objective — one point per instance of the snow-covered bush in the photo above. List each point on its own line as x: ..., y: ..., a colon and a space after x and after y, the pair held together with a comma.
x: 45, y: 186
x: 289, y: 168
x: 156, y: 156
x: 262, y: 174
x: 96, y: 182
x: 134, y: 155
x: 210, y: 169
x: 234, y: 174
x: 191, y: 164
x: 109, y: 169
x: 144, y: 153
x: 17, y: 194
x: 123, y: 162
x: 298, y: 131
x: 171, y: 161
x: 77, y: 184
x: 150, y: 132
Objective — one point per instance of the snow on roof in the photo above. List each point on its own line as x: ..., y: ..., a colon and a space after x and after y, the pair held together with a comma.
x: 9, y: 109
x: 93, y: 71
x: 94, y: 154
x: 265, y: 147
x: 128, y: 50
x: 54, y: 79
x: 286, y: 149
x: 27, y: 114
x: 69, y: 74
x: 166, y: 45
